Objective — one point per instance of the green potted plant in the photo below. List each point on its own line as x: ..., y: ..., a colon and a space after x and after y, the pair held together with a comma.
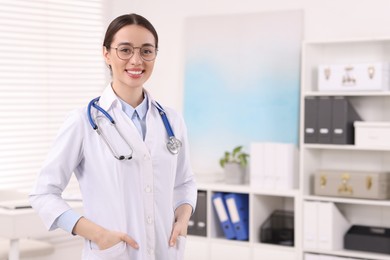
x: 234, y: 164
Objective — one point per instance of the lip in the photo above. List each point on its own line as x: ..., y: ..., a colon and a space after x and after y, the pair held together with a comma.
x: 134, y: 73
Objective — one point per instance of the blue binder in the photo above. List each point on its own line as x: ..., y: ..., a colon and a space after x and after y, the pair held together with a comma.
x: 238, y: 208
x: 220, y: 208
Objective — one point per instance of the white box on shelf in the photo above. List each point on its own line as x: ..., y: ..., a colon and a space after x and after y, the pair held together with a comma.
x: 274, y: 166
x: 372, y: 134
x: 354, y: 77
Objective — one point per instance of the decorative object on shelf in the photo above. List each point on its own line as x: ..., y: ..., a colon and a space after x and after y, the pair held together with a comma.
x: 278, y: 228
x: 370, y: 239
x: 372, y: 134
x: 354, y: 77
x: 234, y: 164
x: 353, y: 184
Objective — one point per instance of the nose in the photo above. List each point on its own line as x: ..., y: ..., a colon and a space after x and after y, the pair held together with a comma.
x: 136, y: 57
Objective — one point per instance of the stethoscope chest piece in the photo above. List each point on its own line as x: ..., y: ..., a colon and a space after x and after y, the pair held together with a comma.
x: 174, y: 145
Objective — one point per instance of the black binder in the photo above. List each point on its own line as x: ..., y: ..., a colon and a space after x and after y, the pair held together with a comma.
x: 311, y: 121
x: 343, y: 116
x: 198, y: 222
x: 324, y: 120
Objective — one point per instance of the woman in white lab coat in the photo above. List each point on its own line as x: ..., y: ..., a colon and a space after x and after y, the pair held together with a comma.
x: 135, y: 208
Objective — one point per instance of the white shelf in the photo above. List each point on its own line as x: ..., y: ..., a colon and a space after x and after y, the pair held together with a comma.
x: 344, y: 147
x: 352, y: 253
x: 275, y: 247
x: 246, y: 189
x: 348, y: 200
x: 348, y: 93
x: 371, y: 106
x: 347, y: 41
x: 262, y: 203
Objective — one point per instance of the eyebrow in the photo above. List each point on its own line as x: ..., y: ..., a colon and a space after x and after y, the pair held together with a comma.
x: 130, y: 44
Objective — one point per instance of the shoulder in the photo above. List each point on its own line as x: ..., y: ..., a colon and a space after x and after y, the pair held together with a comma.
x: 76, y: 119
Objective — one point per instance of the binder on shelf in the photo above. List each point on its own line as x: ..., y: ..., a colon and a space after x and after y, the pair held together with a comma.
x: 324, y: 120
x: 198, y: 222
x: 238, y: 208
x: 324, y: 227
x: 310, y: 227
x: 223, y: 216
x: 332, y: 226
x: 343, y: 116
x: 201, y: 214
x: 311, y: 120
x: 274, y: 166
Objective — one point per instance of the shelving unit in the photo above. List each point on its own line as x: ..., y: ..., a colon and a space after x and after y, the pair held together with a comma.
x: 371, y: 106
x: 261, y: 205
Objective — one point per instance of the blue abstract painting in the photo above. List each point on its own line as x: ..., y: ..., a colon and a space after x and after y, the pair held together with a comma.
x: 242, y: 78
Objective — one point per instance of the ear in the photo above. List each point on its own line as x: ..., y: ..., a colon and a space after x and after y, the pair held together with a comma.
x: 107, y: 56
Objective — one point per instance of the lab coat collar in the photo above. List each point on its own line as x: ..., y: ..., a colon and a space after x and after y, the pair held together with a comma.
x: 109, y: 99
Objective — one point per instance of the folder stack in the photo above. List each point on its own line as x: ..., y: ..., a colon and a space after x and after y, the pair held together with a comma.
x: 198, y: 222
x: 329, y: 120
x: 233, y: 213
x: 274, y: 166
x: 324, y: 227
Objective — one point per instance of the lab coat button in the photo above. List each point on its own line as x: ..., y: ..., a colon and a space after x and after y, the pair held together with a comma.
x: 148, y: 189
x: 150, y: 251
x: 149, y: 220
x: 146, y: 157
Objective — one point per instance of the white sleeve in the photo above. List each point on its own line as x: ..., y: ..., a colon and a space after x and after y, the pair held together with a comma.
x: 185, y: 190
x: 64, y: 156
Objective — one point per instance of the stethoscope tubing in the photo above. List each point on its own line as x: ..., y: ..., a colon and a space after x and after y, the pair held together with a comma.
x: 173, y: 144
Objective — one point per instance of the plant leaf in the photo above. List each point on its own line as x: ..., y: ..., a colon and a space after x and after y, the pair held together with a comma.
x: 236, y: 150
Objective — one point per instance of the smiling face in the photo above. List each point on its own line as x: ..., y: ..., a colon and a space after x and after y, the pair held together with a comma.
x: 135, y: 71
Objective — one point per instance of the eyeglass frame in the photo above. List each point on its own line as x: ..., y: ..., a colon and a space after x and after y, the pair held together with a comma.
x: 134, y: 48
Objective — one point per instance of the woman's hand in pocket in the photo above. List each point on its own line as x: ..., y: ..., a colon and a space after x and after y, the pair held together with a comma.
x: 109, y: 238
x: 180, y: 226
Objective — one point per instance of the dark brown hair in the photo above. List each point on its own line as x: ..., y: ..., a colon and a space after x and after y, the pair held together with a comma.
x: 124, y: 20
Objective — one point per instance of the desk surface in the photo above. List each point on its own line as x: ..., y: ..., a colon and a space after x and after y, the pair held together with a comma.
x: 23, y: 223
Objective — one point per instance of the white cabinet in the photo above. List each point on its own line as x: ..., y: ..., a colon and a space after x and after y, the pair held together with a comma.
x: 373, y: 106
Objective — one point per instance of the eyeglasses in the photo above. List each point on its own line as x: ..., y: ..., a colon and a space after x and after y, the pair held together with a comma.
x: 147, y: 53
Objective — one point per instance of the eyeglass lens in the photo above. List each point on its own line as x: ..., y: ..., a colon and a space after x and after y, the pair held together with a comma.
x: 147, y: 53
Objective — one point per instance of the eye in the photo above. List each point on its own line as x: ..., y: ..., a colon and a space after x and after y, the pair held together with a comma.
x: 147, y: 50
x: 125, y: 50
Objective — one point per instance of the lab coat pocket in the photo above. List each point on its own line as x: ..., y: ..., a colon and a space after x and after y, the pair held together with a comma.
x: 116, y: 252
x: 177, y: 252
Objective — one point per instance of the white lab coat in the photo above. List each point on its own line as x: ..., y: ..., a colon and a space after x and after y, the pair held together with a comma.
x: 137, y: 196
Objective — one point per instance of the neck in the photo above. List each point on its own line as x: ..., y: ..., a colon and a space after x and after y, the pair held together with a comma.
x: 132, y: 96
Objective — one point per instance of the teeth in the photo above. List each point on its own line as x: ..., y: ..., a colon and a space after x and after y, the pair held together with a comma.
x: 134, y: 72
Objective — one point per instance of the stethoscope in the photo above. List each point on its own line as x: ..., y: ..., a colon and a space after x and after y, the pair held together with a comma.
x: 173, y: 143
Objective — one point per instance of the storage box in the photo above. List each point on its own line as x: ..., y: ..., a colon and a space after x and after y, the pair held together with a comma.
x: 278, y: 228
x: 354, y: 77
x: 371, y: 239
x: 372, y: 134
x: 354, y: 184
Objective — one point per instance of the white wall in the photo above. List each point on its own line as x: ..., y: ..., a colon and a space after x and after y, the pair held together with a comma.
x: 324, y: 19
